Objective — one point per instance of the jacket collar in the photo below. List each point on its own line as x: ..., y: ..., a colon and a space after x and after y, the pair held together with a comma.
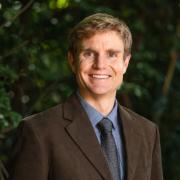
x: 131, y: 137
x: 81, y: 131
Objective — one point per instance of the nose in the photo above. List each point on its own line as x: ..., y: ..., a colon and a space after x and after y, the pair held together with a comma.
x: 100, y: 62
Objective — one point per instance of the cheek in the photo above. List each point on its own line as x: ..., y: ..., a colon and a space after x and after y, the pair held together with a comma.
x: 81, y: 72
x: 118, y: 69
x: 84, y: 67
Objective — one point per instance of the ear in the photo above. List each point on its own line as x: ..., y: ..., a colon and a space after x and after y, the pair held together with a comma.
x: 126, y: 63
x: 71, y: 62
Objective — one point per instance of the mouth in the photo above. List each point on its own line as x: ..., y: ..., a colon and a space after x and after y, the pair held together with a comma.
x: 99, y: 76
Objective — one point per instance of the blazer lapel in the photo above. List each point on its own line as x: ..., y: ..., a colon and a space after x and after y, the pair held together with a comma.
x: 131, y: 142
x: 81, y: 131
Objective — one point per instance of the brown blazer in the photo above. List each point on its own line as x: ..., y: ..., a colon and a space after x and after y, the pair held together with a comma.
x: 60, y: 144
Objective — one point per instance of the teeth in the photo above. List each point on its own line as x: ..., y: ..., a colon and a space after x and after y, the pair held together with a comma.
x: 100, y: 76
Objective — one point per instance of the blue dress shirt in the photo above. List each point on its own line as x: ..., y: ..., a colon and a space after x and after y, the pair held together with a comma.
x: 95, y: 116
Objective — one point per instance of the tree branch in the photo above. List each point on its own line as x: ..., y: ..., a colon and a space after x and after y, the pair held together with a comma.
x: 3, y: 171
x: 14, y: 50
x: 170, y: 73
x: 20, y: 12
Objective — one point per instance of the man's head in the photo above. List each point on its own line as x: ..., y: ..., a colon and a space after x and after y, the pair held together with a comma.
x: 95, y: 23
x: 99, y: 55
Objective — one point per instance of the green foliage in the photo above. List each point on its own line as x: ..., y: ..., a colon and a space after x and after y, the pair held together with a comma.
x: 34, y: 74
x: 9, y: 119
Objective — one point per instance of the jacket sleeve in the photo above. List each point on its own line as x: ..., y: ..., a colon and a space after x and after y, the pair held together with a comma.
x: 29, y: 158
x: 156, y: 168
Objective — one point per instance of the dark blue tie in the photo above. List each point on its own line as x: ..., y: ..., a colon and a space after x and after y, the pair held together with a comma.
x: 109, y: 147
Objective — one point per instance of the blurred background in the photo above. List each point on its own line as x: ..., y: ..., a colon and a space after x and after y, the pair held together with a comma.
x: 34, y: 74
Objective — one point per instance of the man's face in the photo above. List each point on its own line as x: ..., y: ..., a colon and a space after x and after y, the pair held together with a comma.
x: 99, y: 66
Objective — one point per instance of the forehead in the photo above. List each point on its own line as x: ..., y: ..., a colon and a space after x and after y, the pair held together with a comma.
x: 105, y: 40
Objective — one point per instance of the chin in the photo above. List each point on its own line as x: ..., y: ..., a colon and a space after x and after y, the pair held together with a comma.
x: 101, y: 92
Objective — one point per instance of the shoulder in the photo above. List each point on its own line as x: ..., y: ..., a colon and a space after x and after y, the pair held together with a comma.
x: 51, y: 115
x: 47, y: 116
x: 137, y: 128
x: 53, y: 120
x: 42, y: 125
x: 137, y: 117
x: 137, y: 122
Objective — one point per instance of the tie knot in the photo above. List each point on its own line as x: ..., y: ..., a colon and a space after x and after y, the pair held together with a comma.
x: 105, y: 125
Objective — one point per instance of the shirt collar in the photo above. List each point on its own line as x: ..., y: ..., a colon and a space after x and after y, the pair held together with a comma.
x: 95, y: 116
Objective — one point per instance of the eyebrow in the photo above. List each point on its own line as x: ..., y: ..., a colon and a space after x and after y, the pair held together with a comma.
x: 87, y: 49
x: 114, y: 50
x: 109, y: 50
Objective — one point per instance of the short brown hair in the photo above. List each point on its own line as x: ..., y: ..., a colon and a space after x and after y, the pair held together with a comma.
x: 99, y: 22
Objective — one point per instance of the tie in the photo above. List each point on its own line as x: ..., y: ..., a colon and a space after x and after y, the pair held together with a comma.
x: 109, y: 147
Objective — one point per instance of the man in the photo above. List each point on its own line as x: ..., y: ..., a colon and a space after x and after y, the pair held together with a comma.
x: 90, y: 136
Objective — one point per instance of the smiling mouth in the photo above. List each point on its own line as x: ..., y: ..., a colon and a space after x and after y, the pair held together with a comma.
x: 99, y: 76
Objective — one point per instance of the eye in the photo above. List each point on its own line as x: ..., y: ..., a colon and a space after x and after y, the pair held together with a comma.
x: 112, y: 54
x: 89, y: 54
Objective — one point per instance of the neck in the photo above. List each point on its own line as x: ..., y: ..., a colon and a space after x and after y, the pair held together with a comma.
x: 102, y: 104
